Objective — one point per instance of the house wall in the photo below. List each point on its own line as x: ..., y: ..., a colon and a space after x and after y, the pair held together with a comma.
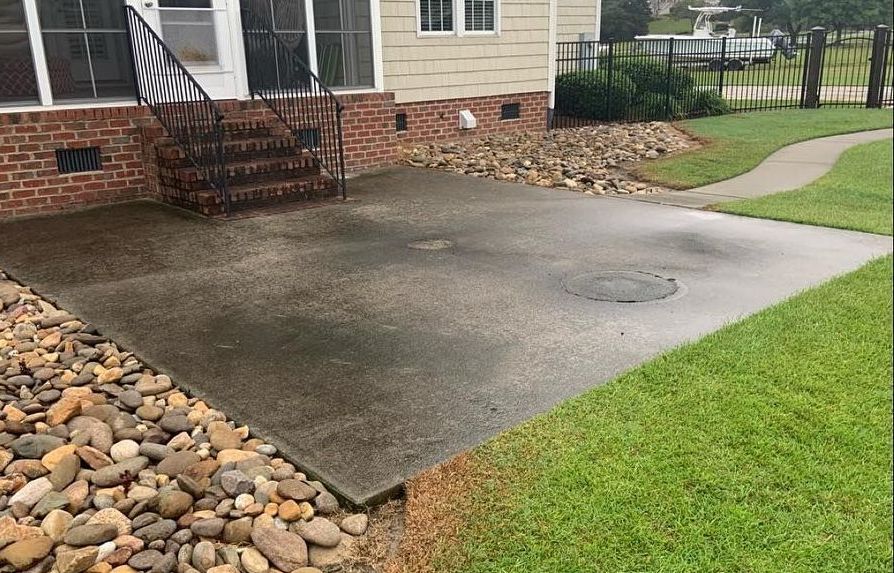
x: 29, y: 179
x: 576, y: 17
x: 446, y: 67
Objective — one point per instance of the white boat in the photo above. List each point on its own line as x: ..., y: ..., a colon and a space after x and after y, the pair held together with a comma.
x: 717, y: 50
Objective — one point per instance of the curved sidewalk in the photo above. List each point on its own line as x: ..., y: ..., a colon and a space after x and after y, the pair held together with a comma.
x: 787, y: 169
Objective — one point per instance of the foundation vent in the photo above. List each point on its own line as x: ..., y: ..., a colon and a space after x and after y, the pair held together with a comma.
x: 310, y: 137
x: 400, y: 122
x: 78, y: 160
x: 510, y: 111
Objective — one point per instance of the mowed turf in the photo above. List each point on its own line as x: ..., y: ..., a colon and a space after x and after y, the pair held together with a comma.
x: 737, y: 143
x: 763, y: 447
x: 856, y: 194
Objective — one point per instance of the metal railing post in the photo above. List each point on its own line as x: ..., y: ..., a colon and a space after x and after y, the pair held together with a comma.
x: 133, y: 58
x: 877, y: 65
x: 668, y: 88
x: 611, y: 68
x: 811, y: 99
x: 722, y: 66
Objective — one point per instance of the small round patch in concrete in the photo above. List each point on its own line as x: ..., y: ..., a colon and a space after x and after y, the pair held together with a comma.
x: 431, y: 244
x: 621, y: 286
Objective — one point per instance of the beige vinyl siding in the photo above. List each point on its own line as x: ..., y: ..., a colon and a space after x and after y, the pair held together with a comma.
x: 446, y: 67
x: 575, y: 17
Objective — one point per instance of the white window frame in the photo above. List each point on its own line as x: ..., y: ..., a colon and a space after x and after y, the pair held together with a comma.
x: 438, y: 33
x: 459, y: 22
x: 486, y: 33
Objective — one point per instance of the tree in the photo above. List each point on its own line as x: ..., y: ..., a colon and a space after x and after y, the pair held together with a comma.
x: 624, y: 19
x: 836, y: 15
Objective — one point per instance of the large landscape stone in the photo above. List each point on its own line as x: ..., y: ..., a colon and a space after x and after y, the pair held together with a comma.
x: 287, y: 551
x: 117, y: 474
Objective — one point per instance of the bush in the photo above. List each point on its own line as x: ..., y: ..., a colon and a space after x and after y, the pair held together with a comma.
x: 703, y: 103
x: 639, y: 92
x: 587, y: 95
x: 651, y: 75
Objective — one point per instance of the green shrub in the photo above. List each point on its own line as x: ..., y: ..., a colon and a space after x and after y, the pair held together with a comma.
x: 651, y: 75
x: 704, y: 103
x: 639, y: 92
x: 587, y: 95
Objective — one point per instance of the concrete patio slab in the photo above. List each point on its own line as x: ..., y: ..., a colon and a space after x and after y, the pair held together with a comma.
x: 789, y: 168
x: 365, y: 360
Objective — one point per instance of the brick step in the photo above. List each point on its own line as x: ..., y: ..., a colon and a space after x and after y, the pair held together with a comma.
x: 235, y: 150
x: 308, y: 188
x: 247, y: 197
x: 257, y: 170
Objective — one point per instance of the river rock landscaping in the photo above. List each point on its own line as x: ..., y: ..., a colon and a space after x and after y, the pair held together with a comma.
x: 108, y: 467
x: 589, y: 159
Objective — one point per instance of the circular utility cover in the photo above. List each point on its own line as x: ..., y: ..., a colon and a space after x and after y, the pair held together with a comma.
x: 431, y: 244
x: 621, y: 286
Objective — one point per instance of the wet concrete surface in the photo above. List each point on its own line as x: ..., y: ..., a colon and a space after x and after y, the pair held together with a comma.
x: 367, y: 361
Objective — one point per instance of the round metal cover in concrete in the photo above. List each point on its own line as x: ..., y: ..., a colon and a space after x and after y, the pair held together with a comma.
x: 621, y: 286
x: 431, y: 244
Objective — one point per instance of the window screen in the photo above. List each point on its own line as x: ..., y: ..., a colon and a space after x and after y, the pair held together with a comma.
x: 436, y: 15
x: 18, y: 83
x: 480, y: 15
x: 86, y: 49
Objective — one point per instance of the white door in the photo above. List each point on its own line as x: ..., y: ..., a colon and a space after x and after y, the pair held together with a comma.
x: 204, y: 34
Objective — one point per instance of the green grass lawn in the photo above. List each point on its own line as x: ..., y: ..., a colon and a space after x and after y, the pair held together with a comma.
x: 764, y: 447
x: 668, y: 25
x: 856, y: 194
x: 738, y: 143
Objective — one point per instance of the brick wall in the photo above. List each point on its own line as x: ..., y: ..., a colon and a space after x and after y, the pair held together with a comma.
x: 368, y: 130
x: 29, y: 179
x: 30, y: 182
x: 371, y: 139
x: 435, y: 121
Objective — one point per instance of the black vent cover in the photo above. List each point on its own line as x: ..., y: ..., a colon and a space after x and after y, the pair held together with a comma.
x: 78, y: 160
x: 310, y: 137
x: 510, y: 111
x: 400, y: 122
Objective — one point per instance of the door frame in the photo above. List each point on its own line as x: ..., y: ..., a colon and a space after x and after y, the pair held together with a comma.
x: 231, y: 54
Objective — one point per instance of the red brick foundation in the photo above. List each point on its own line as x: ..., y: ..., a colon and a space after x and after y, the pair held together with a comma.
x: 436, y: 121
x: 30, y: 182
x: 29, y: 179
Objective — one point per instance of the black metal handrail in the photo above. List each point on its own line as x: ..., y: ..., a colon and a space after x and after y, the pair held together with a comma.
x: 308, y: 108
x: 181, y: 105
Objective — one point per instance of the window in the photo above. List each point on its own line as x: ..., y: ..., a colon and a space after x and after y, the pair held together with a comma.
x: 187, y: 27
x: 19, y: 82
x: 344, y: 42
x: 480, y: 15
x: 436, y: 15
x: 86, y: 49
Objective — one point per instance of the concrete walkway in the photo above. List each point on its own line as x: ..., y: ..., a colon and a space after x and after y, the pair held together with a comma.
x: 789, y: 168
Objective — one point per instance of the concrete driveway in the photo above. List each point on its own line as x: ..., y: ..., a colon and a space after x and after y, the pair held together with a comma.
x: 367, y: 361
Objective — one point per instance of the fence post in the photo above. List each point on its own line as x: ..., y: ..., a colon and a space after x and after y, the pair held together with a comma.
x: 722, y: 66
x: 668, y: 112
x: 877, y: 65
x: 611, y: 68
x: 811, y: 99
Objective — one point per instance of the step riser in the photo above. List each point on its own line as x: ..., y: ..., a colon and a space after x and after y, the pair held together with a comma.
x: 209, y: 203
x: 174, y: 156
x: 242, y: 179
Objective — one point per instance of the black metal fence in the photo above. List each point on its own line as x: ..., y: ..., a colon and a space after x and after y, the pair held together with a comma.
x: 185, y: 110
x: 673, y: 78
x: 310, y: 110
